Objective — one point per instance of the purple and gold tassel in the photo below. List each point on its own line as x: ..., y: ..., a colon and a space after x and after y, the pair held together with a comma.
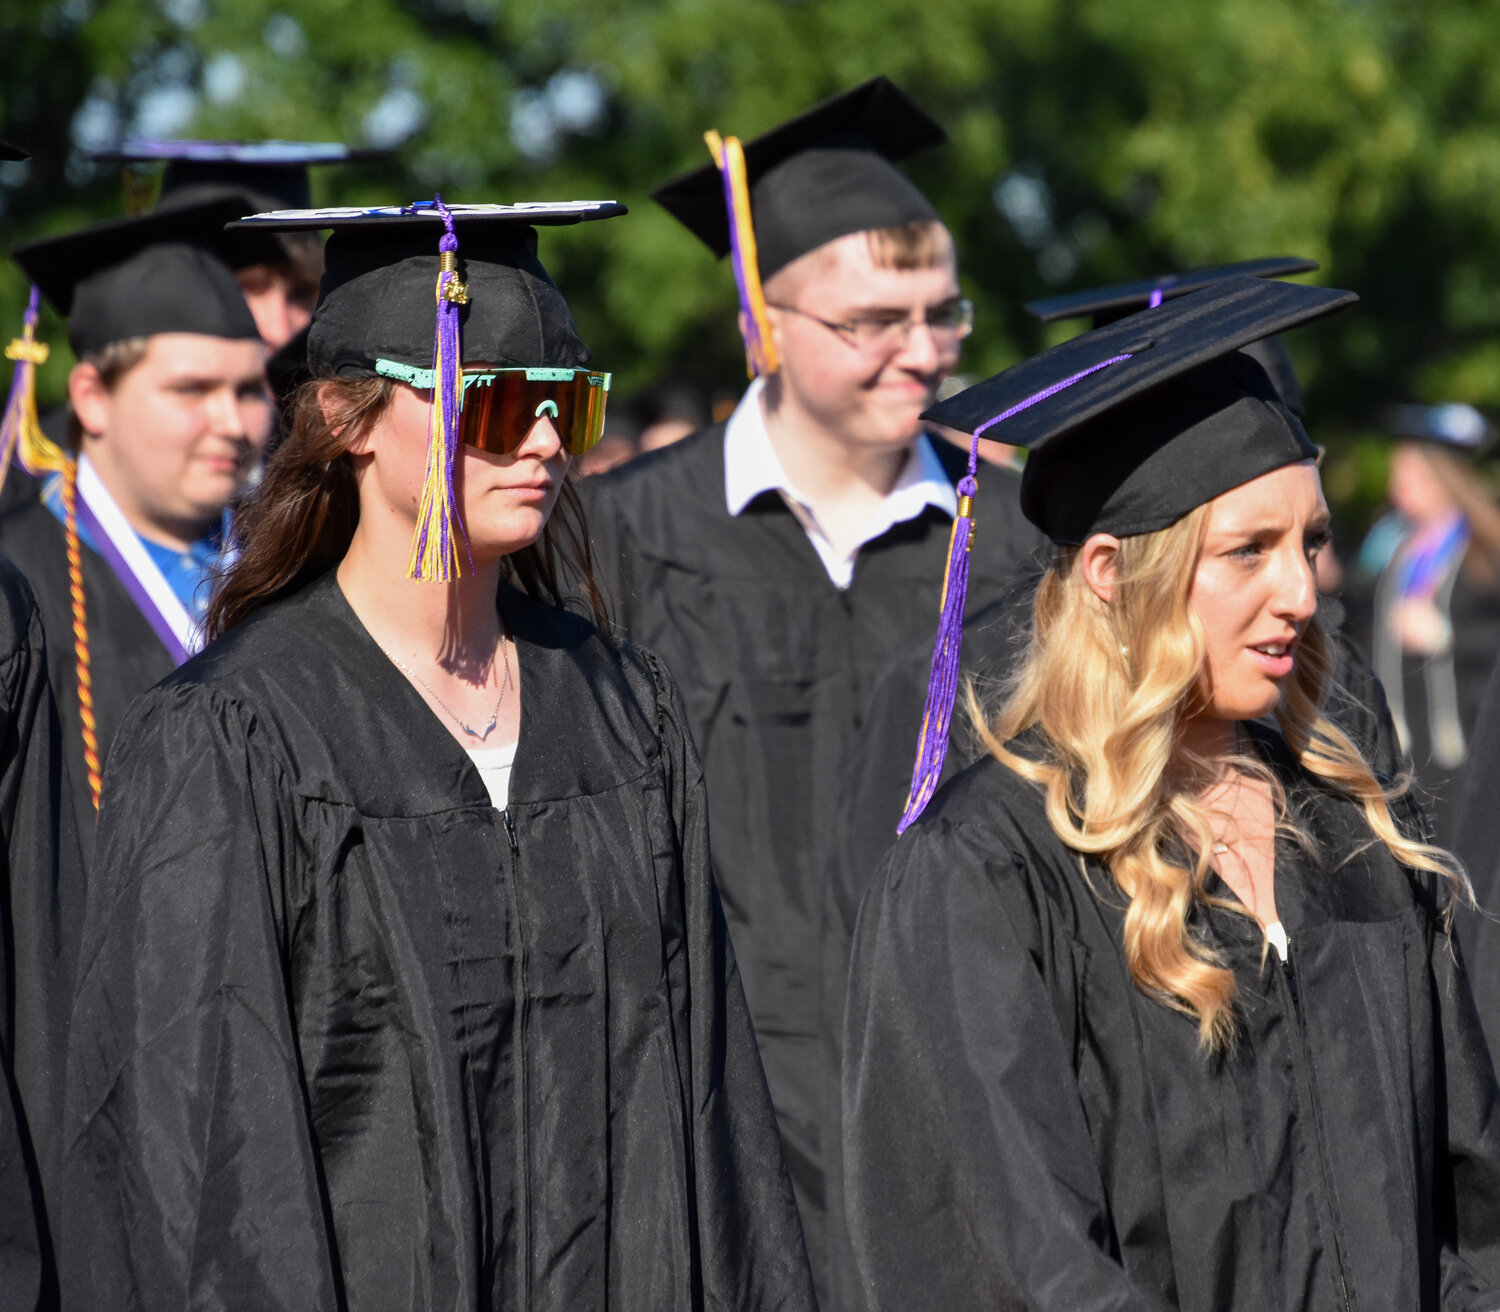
x: 942, y: 682
x: 755, y: 327
x: 21, y: 436
x: 434, y: 547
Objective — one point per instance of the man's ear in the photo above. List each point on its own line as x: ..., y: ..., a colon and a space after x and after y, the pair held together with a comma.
x: 89, y: 397
x: 1098, y: 558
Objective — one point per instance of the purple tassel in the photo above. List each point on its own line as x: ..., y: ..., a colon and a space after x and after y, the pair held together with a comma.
x: 942, y: 682
x: 439, y: 524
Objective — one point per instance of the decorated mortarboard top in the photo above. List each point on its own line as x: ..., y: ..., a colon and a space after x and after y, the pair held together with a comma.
x: 1129, y: 427
x: 412, y: 292
x: 1452, y: 425
x: 374, y: 314
x: 135, y: 277
x: 823, y: 175
x: 12, y: 152
x: 272, y: 173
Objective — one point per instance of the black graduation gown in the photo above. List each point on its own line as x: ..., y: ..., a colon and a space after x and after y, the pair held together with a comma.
x: 41, y: 903
x: 126, y: 655
x: 776, y: 666
x: 876, y: 784
x: 1025, y: 1128
x: 1449, y: 686
x: 347, y: 1036
x: 1476, y: 842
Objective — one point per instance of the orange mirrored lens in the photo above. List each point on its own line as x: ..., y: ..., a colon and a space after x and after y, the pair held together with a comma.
x: 501, y: 406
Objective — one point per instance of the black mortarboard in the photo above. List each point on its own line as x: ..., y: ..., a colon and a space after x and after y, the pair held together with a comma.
x: 11, y: 152
x: 274, y: 174
x: 822, y: 175
x: 1452, y: 425
x: 412, y: 292
x: 1129, y: 427
x: 135, y: 277
x: 1181, y: 416
x: 1103, y: 305
x: 377, y: 303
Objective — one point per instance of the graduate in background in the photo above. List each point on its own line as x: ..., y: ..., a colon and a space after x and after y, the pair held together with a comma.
x: 279, y: 273
x: 41, y: 909
x: 407, y: 985
x: 1156, y: 1005
x: 168, y: 410
x: 779, y: 560
x: 1428, y: 593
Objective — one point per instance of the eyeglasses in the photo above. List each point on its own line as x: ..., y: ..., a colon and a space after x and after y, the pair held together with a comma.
x: 886, y: 332
x: 501, y: 406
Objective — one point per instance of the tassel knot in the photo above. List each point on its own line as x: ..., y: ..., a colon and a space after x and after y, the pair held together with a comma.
x: 21, y: 436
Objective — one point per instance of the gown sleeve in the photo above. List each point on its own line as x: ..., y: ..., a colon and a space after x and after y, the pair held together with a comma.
x: 189, y: 1170
x: 1467, y: 1188
x: 749, y: 1235
x: 970, y: 1177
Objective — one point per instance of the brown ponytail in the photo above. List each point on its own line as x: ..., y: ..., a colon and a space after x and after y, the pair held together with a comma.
x: 299, y: 522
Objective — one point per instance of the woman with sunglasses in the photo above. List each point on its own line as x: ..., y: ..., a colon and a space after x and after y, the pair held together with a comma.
x: 1157, y: 1007
x: 407, y: 984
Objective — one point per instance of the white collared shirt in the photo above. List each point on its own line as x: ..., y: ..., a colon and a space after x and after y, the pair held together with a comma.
x: 751, y: 466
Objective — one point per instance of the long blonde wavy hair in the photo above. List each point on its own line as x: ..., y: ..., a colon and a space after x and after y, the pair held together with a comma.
x: 1111, y: 687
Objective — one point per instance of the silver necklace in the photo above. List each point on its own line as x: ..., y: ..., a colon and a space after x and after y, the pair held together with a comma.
x: 478, y: 734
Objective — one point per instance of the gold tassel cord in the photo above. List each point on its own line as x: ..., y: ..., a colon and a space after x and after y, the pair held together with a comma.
x: 755, y: 324
x: 82, y: 662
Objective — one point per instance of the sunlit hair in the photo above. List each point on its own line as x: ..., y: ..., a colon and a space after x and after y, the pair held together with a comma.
x: 1111, y: 687
x: 300, y: 521
x: 910, y: 246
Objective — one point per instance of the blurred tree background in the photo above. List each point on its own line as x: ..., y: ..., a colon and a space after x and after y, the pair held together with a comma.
x: 1093, y: 140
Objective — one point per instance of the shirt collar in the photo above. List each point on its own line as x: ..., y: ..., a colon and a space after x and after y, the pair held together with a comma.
x: 751, y: 467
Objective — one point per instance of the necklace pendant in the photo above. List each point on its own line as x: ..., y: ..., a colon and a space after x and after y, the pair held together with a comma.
x: 487, y: 731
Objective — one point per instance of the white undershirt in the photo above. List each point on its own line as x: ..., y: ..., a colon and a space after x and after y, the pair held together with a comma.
x: 751, y: 466
x: 494, y: 764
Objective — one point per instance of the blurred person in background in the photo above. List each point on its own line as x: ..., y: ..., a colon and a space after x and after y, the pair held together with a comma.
x: 168, y: 410
x: 279, y: 274
x: 1427, y: 590
x: 41, y: 909
x: 779, y: 560
x: 678, y: 412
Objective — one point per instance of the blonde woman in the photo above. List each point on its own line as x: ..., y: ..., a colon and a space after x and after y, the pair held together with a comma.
x: 1157, y: 1007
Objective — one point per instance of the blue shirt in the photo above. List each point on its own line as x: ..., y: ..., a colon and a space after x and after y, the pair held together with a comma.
x: 186, y: 572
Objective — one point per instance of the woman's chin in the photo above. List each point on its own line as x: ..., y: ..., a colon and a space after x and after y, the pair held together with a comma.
x: 521, y: 529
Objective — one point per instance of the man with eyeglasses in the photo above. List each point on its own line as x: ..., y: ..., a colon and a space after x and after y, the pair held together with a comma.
x: 779, y: 561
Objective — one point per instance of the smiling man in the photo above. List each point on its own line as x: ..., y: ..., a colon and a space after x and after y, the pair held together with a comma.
x: 168, y: 408
x: 780, y: 560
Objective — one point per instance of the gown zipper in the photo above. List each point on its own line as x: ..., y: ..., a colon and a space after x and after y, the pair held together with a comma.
x: 1288, y: 973
x: 523, y: 1008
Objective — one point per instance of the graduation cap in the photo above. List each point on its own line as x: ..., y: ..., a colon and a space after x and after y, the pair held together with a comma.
x: 273, y: 174
x: 11, y: 152
x: 1103, y: 305
x: 135, y: 277
x: 825, y: 174
x: 1129, y: 428
x: 410, y: 292
x: 1453, y: 425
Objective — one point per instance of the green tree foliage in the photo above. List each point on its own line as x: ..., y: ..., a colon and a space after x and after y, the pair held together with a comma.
x: 1093, y: 140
